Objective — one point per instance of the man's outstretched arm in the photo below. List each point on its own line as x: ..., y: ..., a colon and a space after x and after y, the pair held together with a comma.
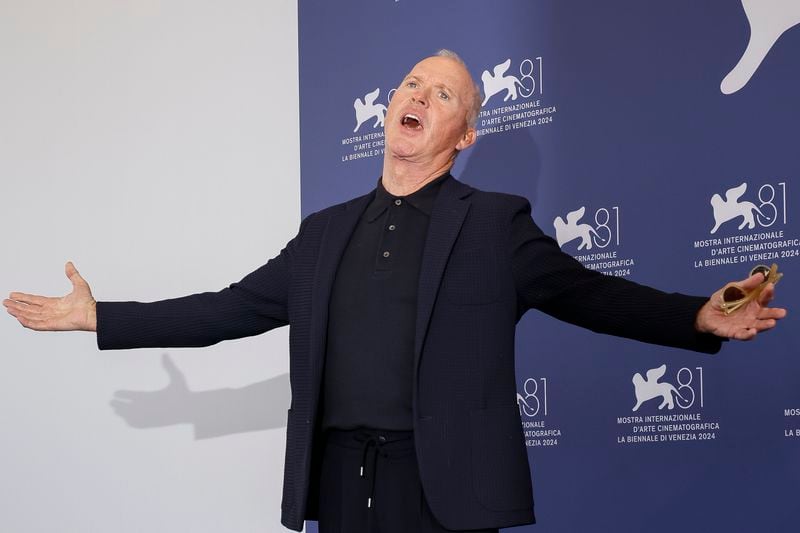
x: 554, y: 282
x: 257, y: 303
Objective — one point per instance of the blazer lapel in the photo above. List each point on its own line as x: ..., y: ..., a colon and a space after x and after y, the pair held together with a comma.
x: 447, y: 216
x: 334, y: 240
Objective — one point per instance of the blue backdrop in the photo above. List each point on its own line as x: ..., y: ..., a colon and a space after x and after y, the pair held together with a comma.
x: 614, y: 120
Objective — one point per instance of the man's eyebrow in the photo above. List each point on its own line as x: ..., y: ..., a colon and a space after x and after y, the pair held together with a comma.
x: 440, y: 84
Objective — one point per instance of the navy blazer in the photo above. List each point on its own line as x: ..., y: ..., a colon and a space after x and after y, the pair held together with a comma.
x: 485, y: 263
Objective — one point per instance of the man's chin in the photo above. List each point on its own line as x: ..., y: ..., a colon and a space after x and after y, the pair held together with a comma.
x: 402, y: 150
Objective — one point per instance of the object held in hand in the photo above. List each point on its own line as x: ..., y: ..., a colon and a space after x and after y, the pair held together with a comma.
x: 734, y: 297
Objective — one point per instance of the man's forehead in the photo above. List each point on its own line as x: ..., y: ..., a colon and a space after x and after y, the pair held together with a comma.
x: 446, y: 69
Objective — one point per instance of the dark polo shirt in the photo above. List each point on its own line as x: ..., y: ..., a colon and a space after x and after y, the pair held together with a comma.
x: 370, y: 352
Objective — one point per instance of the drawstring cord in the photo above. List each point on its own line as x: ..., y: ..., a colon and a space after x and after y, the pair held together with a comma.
x: 371, y: 440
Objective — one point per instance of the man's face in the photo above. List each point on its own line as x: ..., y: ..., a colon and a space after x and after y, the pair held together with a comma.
x: 427, y: 117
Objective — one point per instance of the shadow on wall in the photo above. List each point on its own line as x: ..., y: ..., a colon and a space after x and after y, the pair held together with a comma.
x: 213, y: 413
x: 493, y: 157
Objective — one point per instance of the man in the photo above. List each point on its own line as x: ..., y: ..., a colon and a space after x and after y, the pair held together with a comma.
x: 403, y: 305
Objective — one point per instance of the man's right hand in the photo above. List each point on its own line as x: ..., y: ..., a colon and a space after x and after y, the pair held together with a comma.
x: 73, y: 312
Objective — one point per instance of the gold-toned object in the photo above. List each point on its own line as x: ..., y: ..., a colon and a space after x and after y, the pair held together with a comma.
x: 734, y: 297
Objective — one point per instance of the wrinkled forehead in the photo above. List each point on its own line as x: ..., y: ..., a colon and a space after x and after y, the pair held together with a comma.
x: 445, y: 70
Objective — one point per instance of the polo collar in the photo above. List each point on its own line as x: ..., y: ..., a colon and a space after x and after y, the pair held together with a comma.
x: 421, y: 199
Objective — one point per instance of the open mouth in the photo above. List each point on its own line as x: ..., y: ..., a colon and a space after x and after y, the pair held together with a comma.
x: 412, y: 121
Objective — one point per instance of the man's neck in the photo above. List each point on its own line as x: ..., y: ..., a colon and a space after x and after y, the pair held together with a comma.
x: 401, y: 178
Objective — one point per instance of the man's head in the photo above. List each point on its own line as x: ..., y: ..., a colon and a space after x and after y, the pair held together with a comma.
x: 432, y: 114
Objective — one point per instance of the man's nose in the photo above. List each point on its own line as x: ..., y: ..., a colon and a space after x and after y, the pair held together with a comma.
x: 420, y: 98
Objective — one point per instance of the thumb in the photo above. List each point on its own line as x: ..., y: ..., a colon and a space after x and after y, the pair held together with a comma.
x: 752, y: 282
x: 73, y: 275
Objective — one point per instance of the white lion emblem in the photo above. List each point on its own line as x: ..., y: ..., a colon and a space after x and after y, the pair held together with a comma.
x: 730, y: 208
x: 647, y: 389
x: 571, y: 230
x: 368, y: 109
x: 493, y: 84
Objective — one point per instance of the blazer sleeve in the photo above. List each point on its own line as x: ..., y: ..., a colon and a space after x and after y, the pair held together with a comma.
x: 554, y: 282
x: 257, y: 303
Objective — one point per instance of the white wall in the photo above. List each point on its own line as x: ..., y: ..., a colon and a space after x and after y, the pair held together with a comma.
x: 155, y: 144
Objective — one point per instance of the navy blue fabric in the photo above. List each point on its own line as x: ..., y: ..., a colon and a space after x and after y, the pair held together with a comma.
x: 370, y: 480
x: 369, y: 357
x: 485, y: 264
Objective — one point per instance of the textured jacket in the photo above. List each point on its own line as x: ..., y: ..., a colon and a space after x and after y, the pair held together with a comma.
x: 485, y: 264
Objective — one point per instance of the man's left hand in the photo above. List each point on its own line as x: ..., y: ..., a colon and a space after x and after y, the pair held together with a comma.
x: 746, y: 322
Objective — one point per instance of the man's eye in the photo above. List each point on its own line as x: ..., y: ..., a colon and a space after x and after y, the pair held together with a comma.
x: 444, y: 96
x: 411, y: 85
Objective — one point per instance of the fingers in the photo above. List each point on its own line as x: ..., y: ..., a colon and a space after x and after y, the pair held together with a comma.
x: 775, y: 313
x: 31, y: 316
x: 767, y: 294
x: 30, y: 299
x: 766, y: 312
x: 30, y: 310
x: 30, y: 320
x: 759, y: 326
x: 34, y: 324
x: 764, y: 325
x: 17, y: 309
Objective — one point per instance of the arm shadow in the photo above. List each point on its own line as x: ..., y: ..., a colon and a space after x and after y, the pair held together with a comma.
x: 213, y: 413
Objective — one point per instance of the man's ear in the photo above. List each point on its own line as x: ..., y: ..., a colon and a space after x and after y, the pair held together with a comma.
x: 469, y: 138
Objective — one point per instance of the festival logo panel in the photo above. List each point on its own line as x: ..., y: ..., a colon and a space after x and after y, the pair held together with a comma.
x: 366, y: 139
x: 668, y: 407
x: 749, y: 227
x: 533, y: 410
x: 592, y: 236
x: 514, y: 96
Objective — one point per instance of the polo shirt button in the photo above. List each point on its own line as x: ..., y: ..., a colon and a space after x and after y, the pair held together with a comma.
x: 398, y: 202
x: 392, y: 227
x: 385, y: 254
